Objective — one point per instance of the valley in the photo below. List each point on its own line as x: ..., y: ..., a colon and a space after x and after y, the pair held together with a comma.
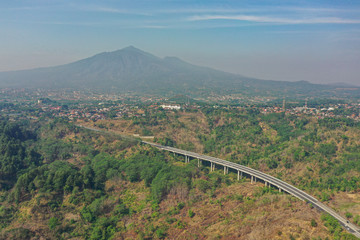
x: 87, y: 184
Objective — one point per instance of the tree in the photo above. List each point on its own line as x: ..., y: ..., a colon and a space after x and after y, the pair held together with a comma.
x: 313, y: 223
x: 53, y: 223
x: 327, y: 149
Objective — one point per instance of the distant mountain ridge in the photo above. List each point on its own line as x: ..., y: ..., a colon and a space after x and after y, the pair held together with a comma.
x: 131, y: 69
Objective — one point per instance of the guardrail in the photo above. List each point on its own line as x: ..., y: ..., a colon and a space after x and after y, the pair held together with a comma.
x: 268, y: 179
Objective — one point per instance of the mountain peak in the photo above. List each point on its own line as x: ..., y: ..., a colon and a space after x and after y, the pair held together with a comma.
x: 131, y: 47
x: 132, y: 51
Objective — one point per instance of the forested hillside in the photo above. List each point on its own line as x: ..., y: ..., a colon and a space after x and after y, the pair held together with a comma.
x: 325, y: 150
x: 320, y: 156
x: 60, y: 181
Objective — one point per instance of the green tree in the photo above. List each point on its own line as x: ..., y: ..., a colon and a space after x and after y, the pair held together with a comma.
x: 313, y: 223
x: 53, y: 223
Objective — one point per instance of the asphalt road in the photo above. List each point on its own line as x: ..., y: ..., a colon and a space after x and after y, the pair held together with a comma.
x: 355, y: 230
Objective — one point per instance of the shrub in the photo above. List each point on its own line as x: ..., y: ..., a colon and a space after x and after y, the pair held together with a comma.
x: 161, y: 232
x: 272, y: 164
x: 313, y: 223
x: 348, y: 215
x: 202, y: 185
x: 53, y: 223
x: 180, y: 205
x: 191, y: 213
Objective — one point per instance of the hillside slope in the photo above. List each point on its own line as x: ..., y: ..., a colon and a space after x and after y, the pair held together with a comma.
x: 99, y: 186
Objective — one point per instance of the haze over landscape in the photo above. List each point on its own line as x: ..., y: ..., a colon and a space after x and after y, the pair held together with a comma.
x: 316, y: 41
x: 172, y: 119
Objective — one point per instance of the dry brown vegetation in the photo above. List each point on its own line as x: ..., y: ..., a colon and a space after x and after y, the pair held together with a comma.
x: 233, y: 212
x: 185, y: 127
x: 224, y: 209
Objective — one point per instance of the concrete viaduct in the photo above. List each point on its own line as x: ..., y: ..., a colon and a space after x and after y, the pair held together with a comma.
x: 267, y: 179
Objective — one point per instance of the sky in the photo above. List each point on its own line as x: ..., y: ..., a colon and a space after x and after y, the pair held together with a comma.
x: 288, y: 40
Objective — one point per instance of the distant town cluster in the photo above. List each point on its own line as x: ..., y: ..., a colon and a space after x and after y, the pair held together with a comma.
x: 74, y: 105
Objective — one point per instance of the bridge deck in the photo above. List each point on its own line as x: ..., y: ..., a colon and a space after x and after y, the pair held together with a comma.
x: 268, y: 179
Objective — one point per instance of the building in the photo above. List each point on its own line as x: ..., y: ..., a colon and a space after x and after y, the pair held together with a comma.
x: 171, y: 107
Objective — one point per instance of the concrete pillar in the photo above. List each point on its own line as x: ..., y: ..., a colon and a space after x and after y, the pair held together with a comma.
x: 227, y: 169
x: 185, y: 159
x: 252, y: 179
x: 279, y: 189
x: 211, y: 167
x: 224, y: 170
x: 238, y: 175
x: 255, y: 179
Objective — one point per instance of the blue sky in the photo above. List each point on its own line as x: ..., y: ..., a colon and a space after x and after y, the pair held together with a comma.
x: 318, y: 41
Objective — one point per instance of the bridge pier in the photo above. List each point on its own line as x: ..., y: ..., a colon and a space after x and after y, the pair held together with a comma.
x: 240, y: 174
x: 285, y: 187
x: 226, y: 170
x: 211, y: 166
x: 199, y: 162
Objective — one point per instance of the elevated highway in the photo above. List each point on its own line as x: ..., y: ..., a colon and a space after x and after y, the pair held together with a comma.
x: 268, y: 180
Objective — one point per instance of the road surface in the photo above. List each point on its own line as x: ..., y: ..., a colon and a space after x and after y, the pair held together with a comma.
x: 355, y: 230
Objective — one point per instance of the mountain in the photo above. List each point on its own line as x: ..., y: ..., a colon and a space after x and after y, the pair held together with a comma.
x: 131, y: 69
x: 128, y: 69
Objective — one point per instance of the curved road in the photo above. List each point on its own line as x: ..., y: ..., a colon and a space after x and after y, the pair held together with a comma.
x: 355, y: 230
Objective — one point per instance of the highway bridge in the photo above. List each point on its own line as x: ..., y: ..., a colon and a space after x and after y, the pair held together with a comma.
x: 267, y: 179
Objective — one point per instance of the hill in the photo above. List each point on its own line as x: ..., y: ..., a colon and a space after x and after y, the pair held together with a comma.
x: 131, y: 69
x: 319, y: 156
x: 79, y: 184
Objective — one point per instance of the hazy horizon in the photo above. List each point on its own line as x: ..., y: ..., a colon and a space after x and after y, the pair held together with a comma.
x: 313, y: 41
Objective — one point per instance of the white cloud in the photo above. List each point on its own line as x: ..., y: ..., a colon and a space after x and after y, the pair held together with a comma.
x: 317, y: 10
x: 264, y: 9
x: 152, y: 27
x: 266, y: 19
x: 111, y: 10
